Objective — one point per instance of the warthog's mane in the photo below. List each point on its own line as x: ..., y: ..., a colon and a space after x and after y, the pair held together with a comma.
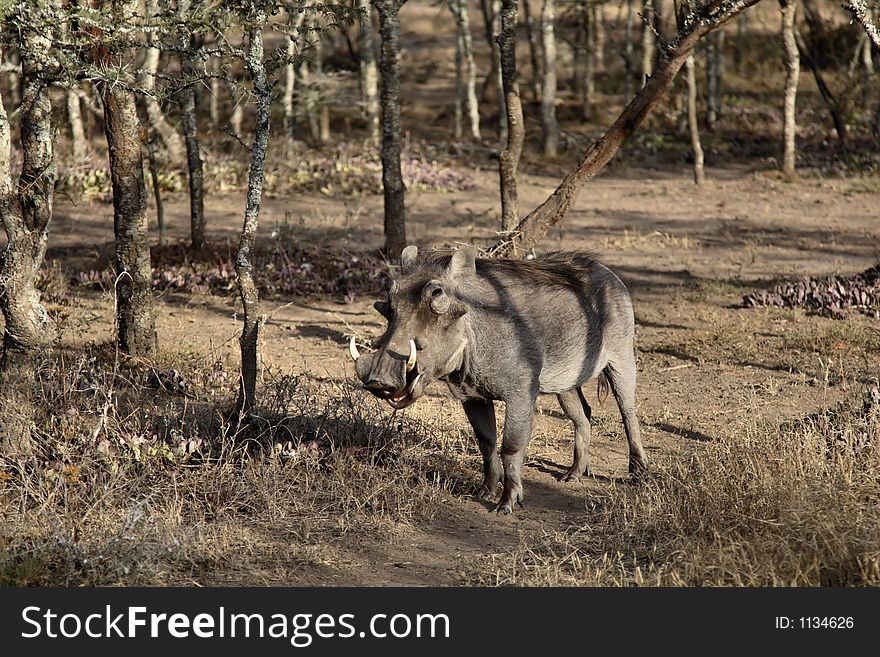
x: 556, y: 268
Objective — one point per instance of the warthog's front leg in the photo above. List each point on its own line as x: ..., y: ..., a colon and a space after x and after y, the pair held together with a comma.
x: 481, y: 415
x: 517, y: 430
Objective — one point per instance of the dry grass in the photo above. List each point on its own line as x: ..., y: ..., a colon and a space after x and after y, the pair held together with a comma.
x: 824, y: 351
x: 633, y: 239
x: 136, y: 485
x: 790, y: 505
x: 139, y: 480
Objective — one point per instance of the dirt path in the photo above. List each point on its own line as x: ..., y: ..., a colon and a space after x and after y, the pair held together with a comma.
x: 705, y: 365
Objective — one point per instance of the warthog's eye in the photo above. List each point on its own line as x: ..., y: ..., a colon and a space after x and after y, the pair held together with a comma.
x: 436, y: 298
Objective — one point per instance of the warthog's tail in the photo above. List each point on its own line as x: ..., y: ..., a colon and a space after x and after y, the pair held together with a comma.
x: 602, y: 388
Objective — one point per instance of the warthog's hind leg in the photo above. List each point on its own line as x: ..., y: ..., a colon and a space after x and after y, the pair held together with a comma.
x: 481, y: 415
x: 575, y: 406
x: 621, y: 374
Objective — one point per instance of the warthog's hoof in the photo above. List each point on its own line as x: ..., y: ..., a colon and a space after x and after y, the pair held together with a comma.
x: 574, y: 476
x: 505, y: 506
x: 638, y: 467
x: 484, y: 494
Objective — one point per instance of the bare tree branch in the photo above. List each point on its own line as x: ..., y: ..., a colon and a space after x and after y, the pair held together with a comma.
x: 705, y: 18
x: 859, y: 10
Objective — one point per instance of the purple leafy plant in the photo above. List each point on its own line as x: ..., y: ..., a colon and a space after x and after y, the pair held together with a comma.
x: 826, y: 295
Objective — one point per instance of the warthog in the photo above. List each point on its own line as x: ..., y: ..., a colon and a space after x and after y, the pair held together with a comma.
x: 507, y: 330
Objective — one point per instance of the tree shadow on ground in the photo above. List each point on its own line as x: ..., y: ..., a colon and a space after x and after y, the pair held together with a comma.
x: 690, y: 434
x: 558, y: 470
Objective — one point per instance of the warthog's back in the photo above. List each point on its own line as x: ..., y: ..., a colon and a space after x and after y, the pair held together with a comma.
x: 561, y: 313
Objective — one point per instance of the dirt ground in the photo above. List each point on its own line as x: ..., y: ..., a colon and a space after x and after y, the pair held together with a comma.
x: 705, y: 364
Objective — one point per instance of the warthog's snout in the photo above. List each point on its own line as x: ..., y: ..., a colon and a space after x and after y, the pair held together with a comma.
x: 388, y: 375
x: 379, y: 388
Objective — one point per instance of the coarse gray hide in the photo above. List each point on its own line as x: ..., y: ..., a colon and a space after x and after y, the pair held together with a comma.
x: 507, y: 330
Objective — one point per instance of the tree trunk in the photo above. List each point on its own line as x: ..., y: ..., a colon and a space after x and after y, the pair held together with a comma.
x: 214, y: 104
x: 658, y: 20
x: 135, y: 322
x: 244, y: 257
x: 578, y: 53
x: 683, y: 10
x: 392, y: 178
x: 88, y: 100
x: 868, y: 58
x: 369, y: 73
x: 324, y: 131
x: 863, y: 45
x: 598, y: 16
x: 628, y: 63
x: 13, y: 79
x: 837, y: 112
x: 191, y: 133
x: 309, y: 70
x: 493, y: 76
x: 693, y: 120
x: 323, y: 108
x: 136, y: 328
x: 508, y: 160
x: 534, y: 50
x: 714, y: 72
x: 307, y: 96
x: 236, y: 119
x: 499, y: 83
x: 157, y: 191
x: 711, y: 81
x: 647, y: 39
x: 288, y: 120
x: 864, y: 50
x: 174, y: 145
x: 473, y: 105
x: 26, y: 213
x: 91, y: 101
x: 458, y: 101
x: 469, y: 82
x: 792, y: 74
x: 194, y: 168
x: 79, y: 144
x: 548, y: 92
x: 589, y: 26
x: 742, y: 29
x: 535, y: 225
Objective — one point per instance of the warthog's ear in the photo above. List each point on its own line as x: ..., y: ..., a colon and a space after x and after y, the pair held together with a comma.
x: 463, y: 262
x: 384, y: 309
x: 408, y: 255
x: 441, y: 303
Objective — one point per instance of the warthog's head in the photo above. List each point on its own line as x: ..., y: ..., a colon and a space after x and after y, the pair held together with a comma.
x: 426, y: 337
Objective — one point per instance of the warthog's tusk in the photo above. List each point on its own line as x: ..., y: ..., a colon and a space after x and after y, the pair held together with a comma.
x: 411, y: 361
x: 353, y: 350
